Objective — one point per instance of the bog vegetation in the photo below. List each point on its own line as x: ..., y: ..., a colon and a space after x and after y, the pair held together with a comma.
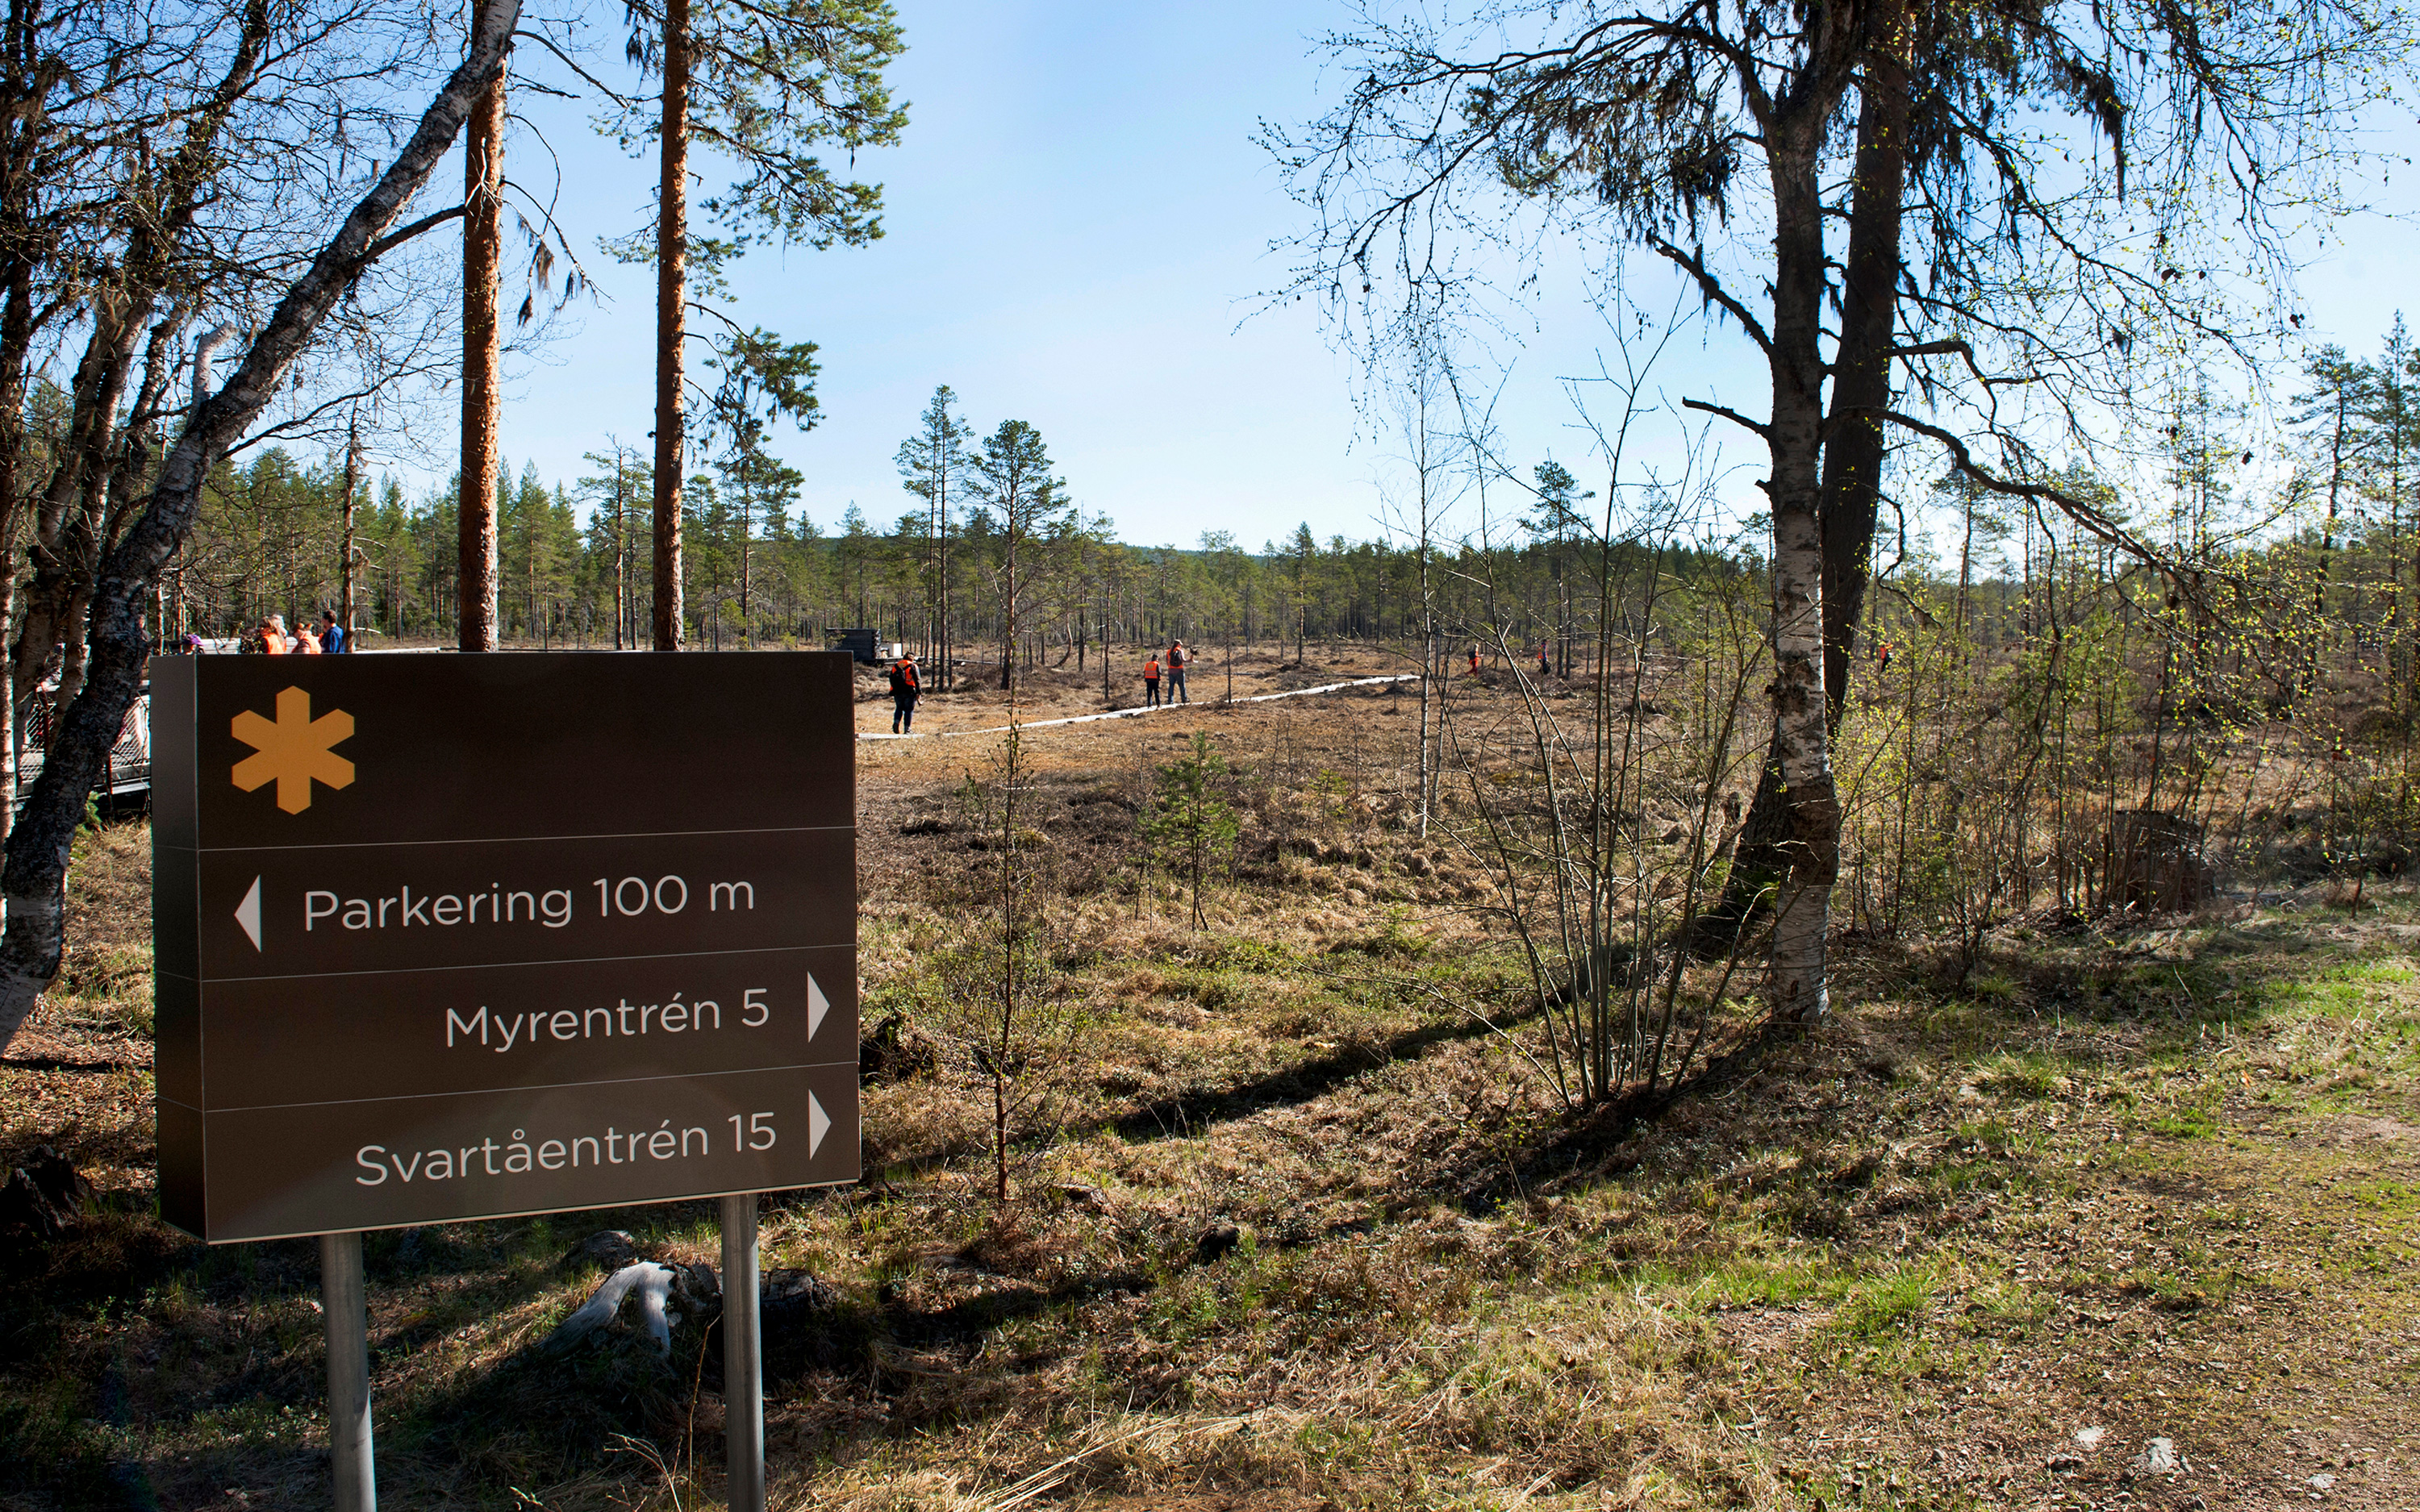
x: 2035, y: 715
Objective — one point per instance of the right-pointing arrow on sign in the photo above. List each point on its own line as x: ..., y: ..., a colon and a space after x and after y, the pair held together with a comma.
x: 247, y: 914
x: 818, y: 1125
x: 817, y: 1005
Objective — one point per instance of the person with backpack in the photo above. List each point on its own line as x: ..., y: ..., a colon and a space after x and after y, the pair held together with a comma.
x: 1151, y: 681
x: 1177, y: 658
x: 906, y: 688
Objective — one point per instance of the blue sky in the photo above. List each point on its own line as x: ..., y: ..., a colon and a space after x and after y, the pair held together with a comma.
x: 1078, y: 229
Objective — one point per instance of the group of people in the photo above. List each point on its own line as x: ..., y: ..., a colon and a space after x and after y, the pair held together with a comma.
x: 907, y: 684
x: 1544, y: 658
x: 272, y: 638
x: 1177, y: 660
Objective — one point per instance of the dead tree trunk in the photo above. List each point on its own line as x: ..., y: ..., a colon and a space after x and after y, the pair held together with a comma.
x: 1861, y: 385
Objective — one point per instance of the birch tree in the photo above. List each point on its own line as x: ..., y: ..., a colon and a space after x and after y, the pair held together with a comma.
x: 1710, y: 137
x: 33, y: 879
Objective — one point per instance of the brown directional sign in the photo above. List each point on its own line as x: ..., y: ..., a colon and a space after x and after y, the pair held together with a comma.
x: 443, y: 937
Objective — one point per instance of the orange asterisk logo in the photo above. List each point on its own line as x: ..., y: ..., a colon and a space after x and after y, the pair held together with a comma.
x: 293, y: 750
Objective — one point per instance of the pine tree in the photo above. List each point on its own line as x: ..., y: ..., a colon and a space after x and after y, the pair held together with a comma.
x: 932, y: 464
x: 1013, y: 475
x: 760, y: 85
x: 1192, y: 825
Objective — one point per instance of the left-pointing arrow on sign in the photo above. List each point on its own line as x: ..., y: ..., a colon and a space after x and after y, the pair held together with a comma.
x: 247, y: 913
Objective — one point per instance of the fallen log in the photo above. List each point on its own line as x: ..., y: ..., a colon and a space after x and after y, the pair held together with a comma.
x: 793, y: 1305
x: 652, y: 1283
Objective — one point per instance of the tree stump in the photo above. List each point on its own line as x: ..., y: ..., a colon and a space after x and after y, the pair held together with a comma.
x: 2155, y: 863
x: 44, y: 1197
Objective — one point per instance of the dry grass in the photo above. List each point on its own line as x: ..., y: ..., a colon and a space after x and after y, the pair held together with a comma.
x: 1288, y: 1236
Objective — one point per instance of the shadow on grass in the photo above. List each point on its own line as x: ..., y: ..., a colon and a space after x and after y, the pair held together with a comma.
x: 2166, y: 989
x: 2172, y: 990
x: 87, y: 1067
x: 1185, y: 1114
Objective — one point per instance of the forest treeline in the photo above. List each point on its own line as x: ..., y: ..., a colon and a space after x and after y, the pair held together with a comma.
x: 760, y: 572
x: 2321, y: 567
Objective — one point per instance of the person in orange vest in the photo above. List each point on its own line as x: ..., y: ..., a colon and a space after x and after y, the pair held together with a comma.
x: 1177, y: 658
x: 306, y: 641
x: 1474, y: 659
x: 1545, y: 665
x: 906, y: 688
x: 1882, y: 658
x: 272, y: 636
x: 1151, y: 681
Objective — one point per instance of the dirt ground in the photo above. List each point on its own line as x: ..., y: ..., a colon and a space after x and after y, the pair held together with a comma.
x: 2125, y: 1221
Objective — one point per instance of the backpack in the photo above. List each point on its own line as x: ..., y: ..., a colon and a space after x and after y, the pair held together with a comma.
x: 903, y: 677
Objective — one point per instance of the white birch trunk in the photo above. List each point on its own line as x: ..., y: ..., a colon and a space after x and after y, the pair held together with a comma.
x: 1803, y: 912
x: 33, y: 878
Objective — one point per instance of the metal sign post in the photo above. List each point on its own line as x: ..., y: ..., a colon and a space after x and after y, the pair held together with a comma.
x: 444, y: 939
x: 743, y: 1359
x: 344, y: 1300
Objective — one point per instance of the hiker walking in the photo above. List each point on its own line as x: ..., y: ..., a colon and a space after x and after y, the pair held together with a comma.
x: 906, y: 688
x: 1474, y: 658
x: 1177, y: 658
x: 1151, y: 681
x: 1545, y: 665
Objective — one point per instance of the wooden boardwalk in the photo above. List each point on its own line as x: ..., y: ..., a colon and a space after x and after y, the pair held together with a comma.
x: 1136, y: 714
